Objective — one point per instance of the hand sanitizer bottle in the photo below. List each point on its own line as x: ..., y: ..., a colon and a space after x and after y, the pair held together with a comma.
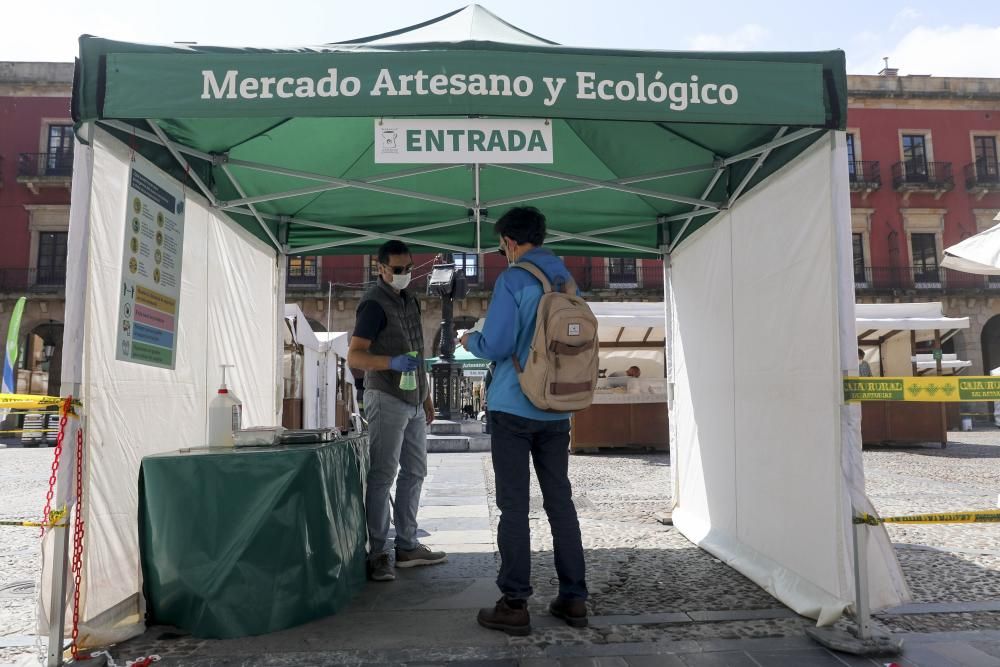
x: 225, y: 415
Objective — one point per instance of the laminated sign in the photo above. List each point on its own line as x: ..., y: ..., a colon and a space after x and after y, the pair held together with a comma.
x: 462, y: 141
x: 151, y: 268
x: 922, y: 389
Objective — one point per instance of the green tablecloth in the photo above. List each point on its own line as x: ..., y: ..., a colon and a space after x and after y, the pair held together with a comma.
x: 249, y: 541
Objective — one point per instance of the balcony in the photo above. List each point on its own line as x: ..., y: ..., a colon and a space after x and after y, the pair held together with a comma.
x: 918, y: 176
x: 917, y: 279
x: 41, y: 170
x: 865, y: 176
x: 982, y: 177
x: 20, y: 280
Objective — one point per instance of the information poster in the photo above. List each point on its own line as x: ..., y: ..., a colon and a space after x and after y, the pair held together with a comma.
x: 151, y: 269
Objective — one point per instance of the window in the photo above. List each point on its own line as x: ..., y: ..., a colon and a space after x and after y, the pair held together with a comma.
x: 986, y: 159
x: 51, y: 265
x: 915, y: 157
x: 925, y: 260
x: 59, y: 150
x: 622, y: 271
x: 470, y: 262
x: 851, y: 157
x: 859, y: 258
x: 302, y: 270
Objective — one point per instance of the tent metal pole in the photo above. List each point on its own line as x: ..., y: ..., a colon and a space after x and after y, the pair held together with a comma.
x: 366, y: 236
x: 152, y: 138
x: 184, y: 163
x: 756, y: 167
x: 329, y: 187
x: 260, y: 221
x: 477, y: 207
x: 361, y: 185
x: 586, y: 188
x: 605, y: 185
x: 559, y: 235
x: 771, y: 145
x: 862, y: 608
x: 691, y: 215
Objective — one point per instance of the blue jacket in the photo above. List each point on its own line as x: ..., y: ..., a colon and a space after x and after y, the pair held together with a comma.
x: 509, y: 328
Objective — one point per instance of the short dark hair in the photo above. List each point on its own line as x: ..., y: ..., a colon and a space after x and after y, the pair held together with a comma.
x: 523, y: 224
x: 392, y: 248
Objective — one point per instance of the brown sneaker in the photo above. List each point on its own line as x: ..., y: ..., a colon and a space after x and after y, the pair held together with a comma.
x: 510, y: 616
x: 380, y: 569
x: 422, y: 555
x: 573, y: 611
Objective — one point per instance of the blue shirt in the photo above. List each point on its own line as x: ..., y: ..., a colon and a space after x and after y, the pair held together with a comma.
x: 509, y: 328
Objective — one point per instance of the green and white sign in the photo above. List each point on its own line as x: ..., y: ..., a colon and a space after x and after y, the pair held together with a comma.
x: 462, y: 140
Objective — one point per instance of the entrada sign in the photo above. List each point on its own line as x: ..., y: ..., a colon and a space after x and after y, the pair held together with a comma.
x: 462, y: 140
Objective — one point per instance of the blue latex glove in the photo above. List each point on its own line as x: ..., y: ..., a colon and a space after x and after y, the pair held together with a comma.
x: 403, y: 363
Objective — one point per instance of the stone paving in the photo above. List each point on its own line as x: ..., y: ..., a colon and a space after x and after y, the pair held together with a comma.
x: 656, y: 599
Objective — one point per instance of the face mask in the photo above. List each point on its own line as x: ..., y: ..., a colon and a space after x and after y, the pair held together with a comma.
x: 401, y: 280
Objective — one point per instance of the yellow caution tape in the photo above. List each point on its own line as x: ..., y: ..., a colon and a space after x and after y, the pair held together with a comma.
x: 987, y: 516
x: 57, y: 519
x: 29, y: 401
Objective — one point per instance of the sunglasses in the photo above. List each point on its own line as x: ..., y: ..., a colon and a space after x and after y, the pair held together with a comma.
x: 399, y: 270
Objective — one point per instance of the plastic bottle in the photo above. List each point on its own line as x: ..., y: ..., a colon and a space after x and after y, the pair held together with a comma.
x: 225, y: 415
x: 408, y: 380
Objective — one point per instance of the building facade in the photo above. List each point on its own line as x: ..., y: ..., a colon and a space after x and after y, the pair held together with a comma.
x: 924, y: 175
x: 36, y: 166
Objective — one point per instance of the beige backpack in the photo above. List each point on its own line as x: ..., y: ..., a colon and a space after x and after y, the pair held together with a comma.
x: 560, y: 374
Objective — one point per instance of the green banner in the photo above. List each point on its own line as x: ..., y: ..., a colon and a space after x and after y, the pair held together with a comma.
x: 933, y: 389
x: 9, y: 382
x: 459, y: 83
x: 873, y: 389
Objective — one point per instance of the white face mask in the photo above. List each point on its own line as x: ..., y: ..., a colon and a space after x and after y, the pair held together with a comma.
x: 401, y: 280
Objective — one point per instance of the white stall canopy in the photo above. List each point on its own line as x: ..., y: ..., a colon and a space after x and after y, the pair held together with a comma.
x: 628, y: 322
x: 976, y: 254
x: 321, y: 355
x: 877, y: 322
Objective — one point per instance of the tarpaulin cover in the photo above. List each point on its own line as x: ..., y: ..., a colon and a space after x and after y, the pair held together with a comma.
x: 249, y: 541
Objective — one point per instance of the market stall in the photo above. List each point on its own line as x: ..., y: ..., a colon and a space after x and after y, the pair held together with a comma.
x: 727, y: 166
x: 627, y: 411
x: 890, y: 334
x: 314, y: 376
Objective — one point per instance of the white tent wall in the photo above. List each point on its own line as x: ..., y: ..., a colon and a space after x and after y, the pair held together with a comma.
x: 757, y: 316
x: 226, y: 315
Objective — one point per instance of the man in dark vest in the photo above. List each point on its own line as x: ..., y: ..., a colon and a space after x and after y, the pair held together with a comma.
x: 388, y: 344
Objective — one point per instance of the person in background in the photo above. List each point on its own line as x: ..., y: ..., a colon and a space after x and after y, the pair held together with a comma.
x: 864, y: 370
x: 521, y: 435
x: 388, y: 329
x: 632, y: 372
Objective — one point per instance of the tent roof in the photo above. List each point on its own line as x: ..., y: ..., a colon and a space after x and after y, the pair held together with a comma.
x: 976, y: 254
x: 260, y: 134
x: 337, y: 340
x: 624, y: 322
x: 879, y: 320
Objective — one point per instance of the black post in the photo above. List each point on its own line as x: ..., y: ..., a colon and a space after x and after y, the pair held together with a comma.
x: 446, y: 375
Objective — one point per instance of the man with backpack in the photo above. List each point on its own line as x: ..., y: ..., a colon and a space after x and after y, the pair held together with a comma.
x: 543, y: 339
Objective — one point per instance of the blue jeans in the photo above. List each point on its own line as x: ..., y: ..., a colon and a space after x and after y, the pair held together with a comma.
x: 514, y: 438
x: 397, y: 441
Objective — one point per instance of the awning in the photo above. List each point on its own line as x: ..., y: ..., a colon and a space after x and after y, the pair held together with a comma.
x: 630, y: 324
x: 876, y: 322
x: 976, y: 254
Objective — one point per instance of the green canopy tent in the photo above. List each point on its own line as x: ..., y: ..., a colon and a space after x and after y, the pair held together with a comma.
x: 729, y: 166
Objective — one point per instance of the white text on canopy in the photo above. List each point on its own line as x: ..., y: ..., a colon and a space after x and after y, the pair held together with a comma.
x: 462, y: 140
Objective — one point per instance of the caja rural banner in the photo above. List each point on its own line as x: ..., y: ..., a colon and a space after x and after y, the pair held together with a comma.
x: 922, y: 389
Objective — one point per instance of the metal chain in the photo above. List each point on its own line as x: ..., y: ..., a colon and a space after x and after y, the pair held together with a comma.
x: 64, y: 416
x: 78, y: 531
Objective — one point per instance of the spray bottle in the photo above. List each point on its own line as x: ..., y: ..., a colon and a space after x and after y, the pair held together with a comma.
x: 225, y: 415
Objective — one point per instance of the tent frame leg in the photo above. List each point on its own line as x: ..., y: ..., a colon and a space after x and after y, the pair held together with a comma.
x: 863, y: 638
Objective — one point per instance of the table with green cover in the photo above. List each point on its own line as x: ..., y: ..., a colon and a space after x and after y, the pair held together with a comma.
x: 246, y: 541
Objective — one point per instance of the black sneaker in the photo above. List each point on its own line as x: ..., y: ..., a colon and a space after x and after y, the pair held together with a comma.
x: 422, y: 555
x: 573, y: 611
x: 510, y: 616
x: 380, y: 569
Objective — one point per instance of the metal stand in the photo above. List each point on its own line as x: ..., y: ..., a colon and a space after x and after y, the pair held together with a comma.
x: 446, y: 376
x: 863, y: 639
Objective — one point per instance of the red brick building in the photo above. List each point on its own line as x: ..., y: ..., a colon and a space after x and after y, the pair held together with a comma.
x: 36, y: 165
x: 924, y: 176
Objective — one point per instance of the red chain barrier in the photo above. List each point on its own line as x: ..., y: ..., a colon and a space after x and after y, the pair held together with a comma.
x: 64, y: 416
x: 78, y: 530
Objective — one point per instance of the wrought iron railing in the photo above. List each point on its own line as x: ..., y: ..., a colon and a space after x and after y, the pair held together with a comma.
x: 40, y: 165
x: 917, y: 174
x: 930, y: 278
x: 864, y: 174
x: 13, y: 280
x: 982, y: 173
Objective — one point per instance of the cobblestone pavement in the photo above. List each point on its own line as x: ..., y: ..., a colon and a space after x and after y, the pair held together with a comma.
x: 636, y: 566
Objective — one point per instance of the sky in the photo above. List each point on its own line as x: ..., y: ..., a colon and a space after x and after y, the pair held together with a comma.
x: 950, y: 38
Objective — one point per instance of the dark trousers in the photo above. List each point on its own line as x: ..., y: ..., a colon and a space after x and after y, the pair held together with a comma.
x: 547, y: 442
